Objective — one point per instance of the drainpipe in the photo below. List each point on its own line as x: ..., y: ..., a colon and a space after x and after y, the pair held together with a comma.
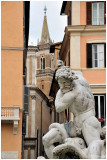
x: 41, y: 130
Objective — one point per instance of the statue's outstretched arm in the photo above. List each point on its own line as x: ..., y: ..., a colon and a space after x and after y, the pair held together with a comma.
x: 59, y: 104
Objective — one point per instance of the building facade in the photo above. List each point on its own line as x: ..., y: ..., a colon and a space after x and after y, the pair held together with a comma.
x: 84, y: 46
x: 14, y: 39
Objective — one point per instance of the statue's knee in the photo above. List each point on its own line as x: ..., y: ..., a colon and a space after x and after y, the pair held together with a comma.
x: 44, y: 140
x: 95, y: 149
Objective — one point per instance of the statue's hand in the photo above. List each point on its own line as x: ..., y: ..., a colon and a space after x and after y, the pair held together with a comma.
x: 78, y: 131
x: 64, y: 101
x: 59, y: 103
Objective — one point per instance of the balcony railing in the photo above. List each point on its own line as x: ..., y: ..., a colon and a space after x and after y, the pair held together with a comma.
x: 10, y: 114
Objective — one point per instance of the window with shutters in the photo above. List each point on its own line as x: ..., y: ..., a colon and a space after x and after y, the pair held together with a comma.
x: 96, y: 13
x: 96, y: 55
x: 42, y: 62
x: 100, y: 109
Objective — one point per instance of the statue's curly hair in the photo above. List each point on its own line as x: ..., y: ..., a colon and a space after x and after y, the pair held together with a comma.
x: 65, y: 72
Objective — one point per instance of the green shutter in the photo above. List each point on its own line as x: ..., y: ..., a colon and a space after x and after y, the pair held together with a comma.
x: 89, y: 13
x: 89, y: 55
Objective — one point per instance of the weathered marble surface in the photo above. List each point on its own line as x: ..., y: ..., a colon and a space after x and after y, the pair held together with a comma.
x: 80, y: 139
x: 41, y: 157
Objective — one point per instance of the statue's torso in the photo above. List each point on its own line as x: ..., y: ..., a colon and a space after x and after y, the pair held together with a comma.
x: 83, y: 104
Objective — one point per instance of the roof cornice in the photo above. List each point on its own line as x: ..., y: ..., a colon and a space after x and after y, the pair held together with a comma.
x: 85, y: 28
x: 81, y: 30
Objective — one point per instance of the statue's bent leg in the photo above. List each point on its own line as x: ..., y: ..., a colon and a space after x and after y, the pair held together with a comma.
x: 52, y: 137
x: 91, y: 129
x: 49, y: 139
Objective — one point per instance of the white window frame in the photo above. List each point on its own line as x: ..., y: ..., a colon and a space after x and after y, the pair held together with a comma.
x: 97, y: 13
x: 99, y: 113
x: 98, y: 55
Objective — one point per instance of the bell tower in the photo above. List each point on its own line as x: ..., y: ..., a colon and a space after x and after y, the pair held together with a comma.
x: 45, y: 59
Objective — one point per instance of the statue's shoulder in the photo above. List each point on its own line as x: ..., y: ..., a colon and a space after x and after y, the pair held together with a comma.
x: 78, y: 73
x: 81, y: 79
x: 59, y: 93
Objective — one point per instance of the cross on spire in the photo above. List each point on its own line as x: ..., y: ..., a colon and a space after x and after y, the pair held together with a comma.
x: 45, y: 9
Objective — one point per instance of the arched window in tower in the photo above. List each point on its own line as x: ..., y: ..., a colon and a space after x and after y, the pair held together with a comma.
x: 42, y: 62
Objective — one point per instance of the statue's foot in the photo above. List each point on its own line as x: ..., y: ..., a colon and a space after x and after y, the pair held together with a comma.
x: 67, y: 151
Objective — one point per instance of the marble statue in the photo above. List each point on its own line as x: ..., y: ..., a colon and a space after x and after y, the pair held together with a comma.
x: 80, y: 138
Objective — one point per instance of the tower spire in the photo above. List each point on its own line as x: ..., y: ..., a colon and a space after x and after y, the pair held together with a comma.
x: 45, y: 37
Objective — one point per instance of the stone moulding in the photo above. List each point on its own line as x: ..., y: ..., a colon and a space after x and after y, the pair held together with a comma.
x: 9, y: 155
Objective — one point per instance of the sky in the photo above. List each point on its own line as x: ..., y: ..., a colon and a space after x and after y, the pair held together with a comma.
x: 56, y: 22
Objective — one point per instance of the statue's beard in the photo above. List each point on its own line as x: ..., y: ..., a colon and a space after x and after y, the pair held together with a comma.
x: 67, y: 89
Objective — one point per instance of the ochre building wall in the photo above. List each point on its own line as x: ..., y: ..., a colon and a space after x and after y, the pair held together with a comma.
x: 11, y: 70
x: 12, y: 24
x: 10, y: 142
x: 82, y: 12
x: 11, y: 78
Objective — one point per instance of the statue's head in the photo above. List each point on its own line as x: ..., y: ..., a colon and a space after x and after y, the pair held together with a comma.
x: 65, y: 76
x: 65, y: 72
